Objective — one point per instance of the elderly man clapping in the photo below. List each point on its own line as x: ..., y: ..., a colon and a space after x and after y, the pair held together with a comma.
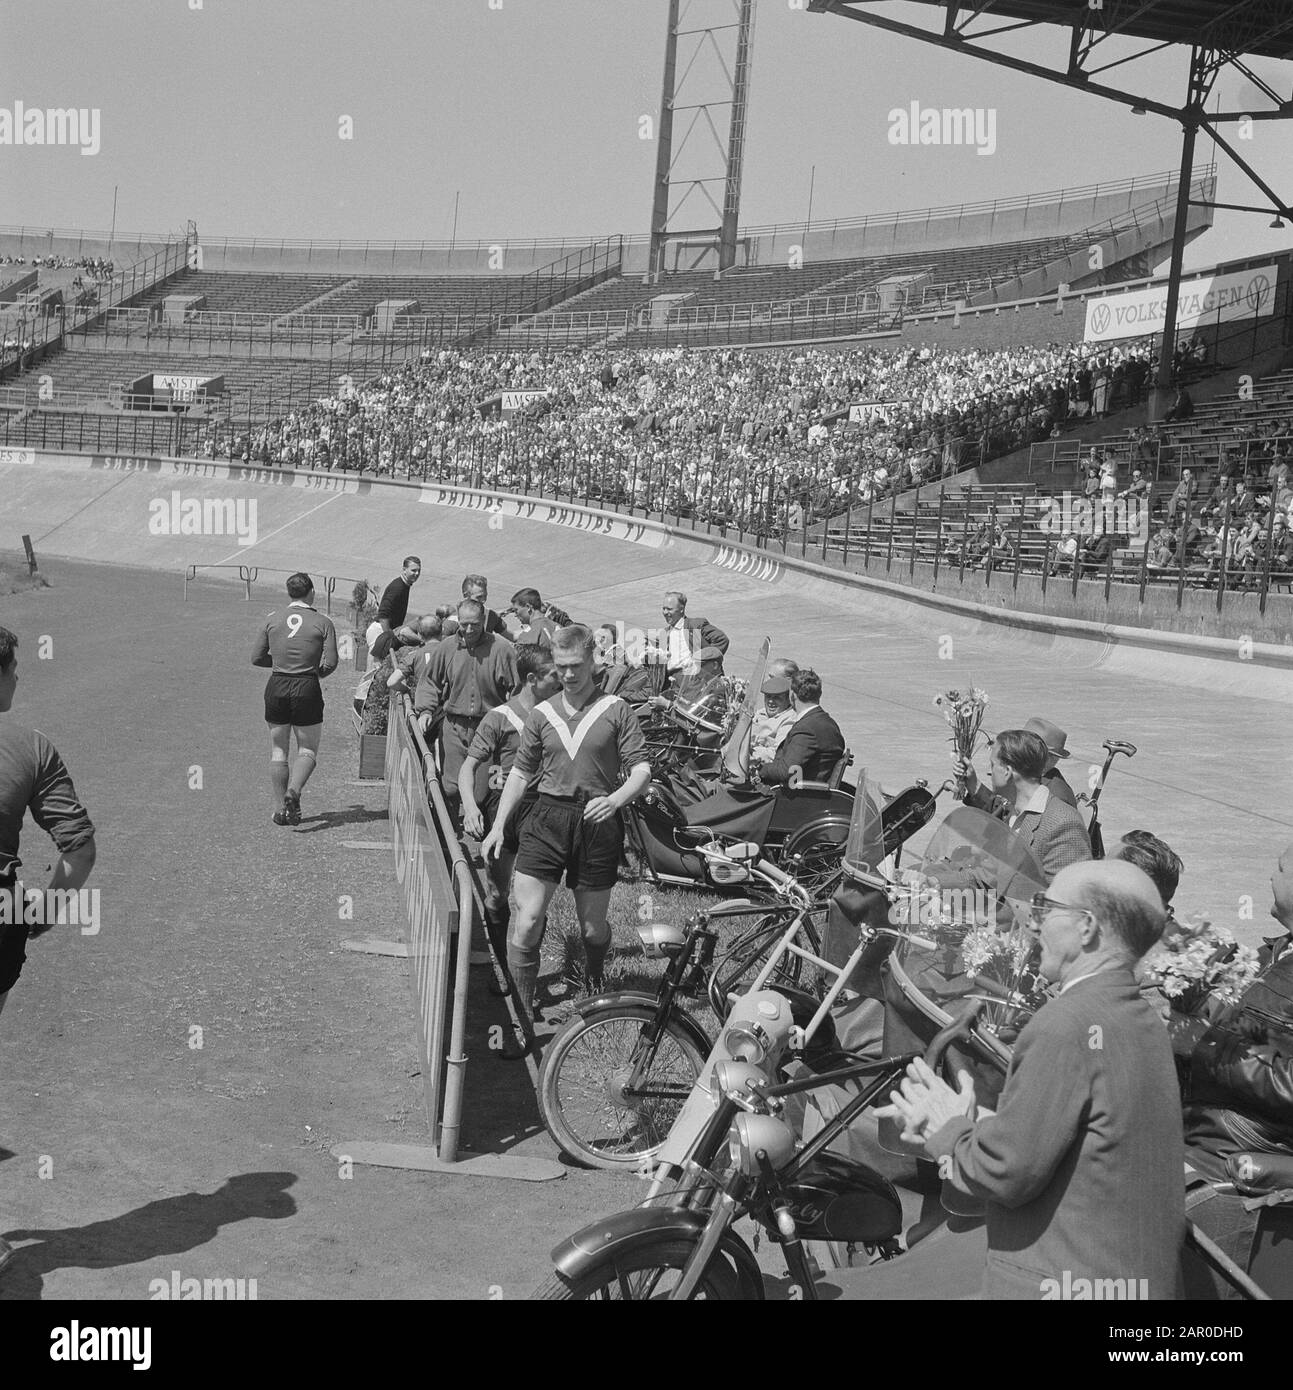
x: 1080, y: 1168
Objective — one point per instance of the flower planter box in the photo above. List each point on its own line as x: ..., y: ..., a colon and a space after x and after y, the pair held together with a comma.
x: 372, y: 757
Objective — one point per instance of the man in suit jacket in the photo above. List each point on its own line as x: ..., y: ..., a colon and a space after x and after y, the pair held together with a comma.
x: 684, y: 638
x: 1080, y: 1168
x: 1054, y: 831
x: 814, y: 743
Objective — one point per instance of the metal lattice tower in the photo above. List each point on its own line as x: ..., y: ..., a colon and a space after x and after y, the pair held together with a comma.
x: 716, y: 73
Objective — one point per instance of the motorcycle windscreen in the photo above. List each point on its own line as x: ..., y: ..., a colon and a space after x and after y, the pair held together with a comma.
x: 864, y: 851
x: 971, y: 894
x: 736, y: 751
x: 973, y: 846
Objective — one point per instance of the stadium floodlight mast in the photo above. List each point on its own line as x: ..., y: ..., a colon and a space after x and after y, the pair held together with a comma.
x: 1218, y: 36
x: 722, y: 50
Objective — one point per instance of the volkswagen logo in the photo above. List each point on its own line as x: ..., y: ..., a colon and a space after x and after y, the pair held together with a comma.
x: 1259, y: 288
x: 1100, y: 318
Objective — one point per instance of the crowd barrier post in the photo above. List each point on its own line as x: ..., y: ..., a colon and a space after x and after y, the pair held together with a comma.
x: 1108, y: 569
x: 1144, y: 555
x: 967, y: 495
x: 893, y: 513
x: 938, y: 532
x: 992, y: 545
x: 1225, y: 552
x: 1267, y: 561
x: 1019, y: 546
x: 915, y: 525
x: 1181, y: 556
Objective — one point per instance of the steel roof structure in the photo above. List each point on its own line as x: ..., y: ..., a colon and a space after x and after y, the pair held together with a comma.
x: 1218, y: 34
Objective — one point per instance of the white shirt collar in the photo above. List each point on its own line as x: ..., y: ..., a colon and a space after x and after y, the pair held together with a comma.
x: 1036, y: 802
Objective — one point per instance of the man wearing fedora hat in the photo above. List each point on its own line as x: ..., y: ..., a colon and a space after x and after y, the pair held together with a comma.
x: 1056, y: 741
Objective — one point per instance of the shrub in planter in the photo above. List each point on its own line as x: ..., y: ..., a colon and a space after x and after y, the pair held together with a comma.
x: 363, y: 610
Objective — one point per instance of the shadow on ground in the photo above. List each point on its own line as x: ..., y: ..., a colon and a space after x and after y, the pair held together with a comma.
x: 168, y: 1226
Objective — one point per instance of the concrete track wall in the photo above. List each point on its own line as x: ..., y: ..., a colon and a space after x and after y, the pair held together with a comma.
x: 1210, y: 727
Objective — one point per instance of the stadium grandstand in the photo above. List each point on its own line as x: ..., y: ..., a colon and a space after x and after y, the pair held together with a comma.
x: 906, y: 390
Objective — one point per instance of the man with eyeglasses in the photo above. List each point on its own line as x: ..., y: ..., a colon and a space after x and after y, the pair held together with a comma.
x: 1079, y: 1169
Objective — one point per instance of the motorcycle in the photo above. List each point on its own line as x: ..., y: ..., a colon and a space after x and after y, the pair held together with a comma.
x: 731, y: 1153
x: 691, y: 802
x: 745, y: 1163
x: 614, y: 1078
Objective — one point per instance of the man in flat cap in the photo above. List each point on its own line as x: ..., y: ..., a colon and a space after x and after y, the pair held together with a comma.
x: 813, y: 745
x: 1056, y: 741
x: 772, y: 723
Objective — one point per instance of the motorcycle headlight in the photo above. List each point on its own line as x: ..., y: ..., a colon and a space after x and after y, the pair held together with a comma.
x: 747, y: 1042
x: 735, y: 1078
x: 752, y: 1135
x: 758, y: 1027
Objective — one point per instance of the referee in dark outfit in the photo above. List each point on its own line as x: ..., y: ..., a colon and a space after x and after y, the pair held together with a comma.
x: 586, y: 754
x: 300, y: 644
x: 394, y: 606
x: 32, y: 778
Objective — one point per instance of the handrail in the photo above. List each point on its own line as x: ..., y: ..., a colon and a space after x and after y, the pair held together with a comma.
x: 1039, y: 200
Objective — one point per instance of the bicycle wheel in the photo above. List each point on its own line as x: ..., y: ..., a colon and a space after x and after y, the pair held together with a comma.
x: 647, y: 1268
x: 597, y: 1110
x: 814, y: 857
x: 737, y: 964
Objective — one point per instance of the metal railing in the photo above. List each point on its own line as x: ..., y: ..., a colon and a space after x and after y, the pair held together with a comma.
x: 38, y: 240
x: 49, y: 330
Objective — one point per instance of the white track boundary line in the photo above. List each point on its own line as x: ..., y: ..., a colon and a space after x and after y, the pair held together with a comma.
x: 246, y: 549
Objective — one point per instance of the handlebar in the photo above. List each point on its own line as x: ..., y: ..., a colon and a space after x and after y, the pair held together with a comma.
x: 1120, y: 745
x: 958, y: 1028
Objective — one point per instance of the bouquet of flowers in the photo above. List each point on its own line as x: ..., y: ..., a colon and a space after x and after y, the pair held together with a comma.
x: 1195, y: 961
x: 963, y: 710
x: 954, y: 903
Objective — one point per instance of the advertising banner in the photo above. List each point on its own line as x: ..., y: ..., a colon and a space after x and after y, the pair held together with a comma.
x: 1207, y: 299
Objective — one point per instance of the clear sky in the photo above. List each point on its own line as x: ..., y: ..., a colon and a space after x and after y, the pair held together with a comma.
x: 228, y: 112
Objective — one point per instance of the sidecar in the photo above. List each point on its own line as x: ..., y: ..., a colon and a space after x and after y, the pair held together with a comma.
x: 801, y: 829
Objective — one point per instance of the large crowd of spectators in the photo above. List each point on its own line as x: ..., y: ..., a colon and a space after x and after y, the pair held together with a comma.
x: 757, y: 439
x: 95, y: 267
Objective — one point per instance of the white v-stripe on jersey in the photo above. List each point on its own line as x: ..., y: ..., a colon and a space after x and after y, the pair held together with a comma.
x: 589, y: 752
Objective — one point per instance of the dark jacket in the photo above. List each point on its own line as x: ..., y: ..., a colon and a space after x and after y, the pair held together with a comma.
x: 1057, y: 786
x: 702, y: 633
x: 814, y: 745
x: 1240, y: 1086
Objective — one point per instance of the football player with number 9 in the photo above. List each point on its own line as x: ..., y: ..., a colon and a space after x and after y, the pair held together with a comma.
x: 300, y: 645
